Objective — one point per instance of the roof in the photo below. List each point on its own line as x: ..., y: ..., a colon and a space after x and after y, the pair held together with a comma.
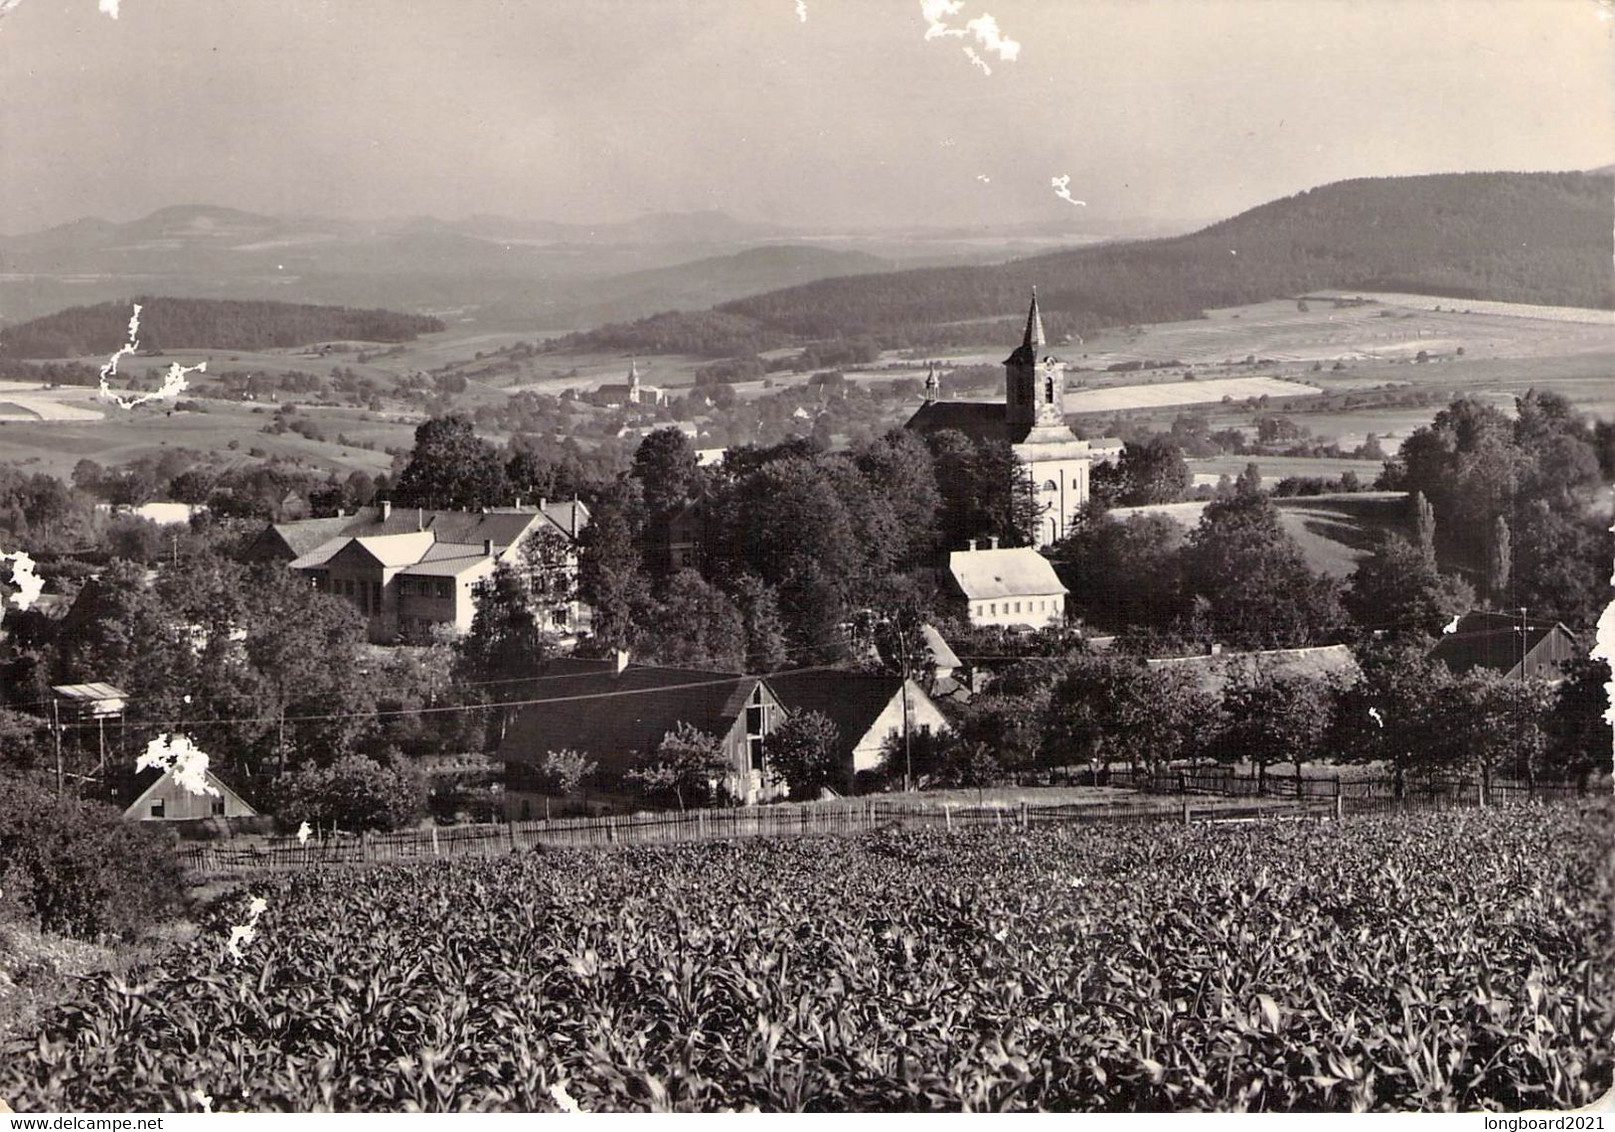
x: 1032, y: 341
x: 89, y: 692
x: 396, y: 550
x: 448, y: 566
x: 319, y: 555
x: 146, y: 782
x: 595, y: 709
x: 979, y: 420
x: 1016, y: 571
x: 1216, y: 672
x: 852, y: 700
x: 942, y: 656
x: 1493, y: 640
x: 500, y: 525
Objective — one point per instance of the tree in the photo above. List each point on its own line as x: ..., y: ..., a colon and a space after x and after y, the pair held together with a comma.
x: 450, y: 467
x: 695, y: 624
x: 759, y: 614
x: 1388, y: 715
x: 666, y: 466
x: 1498, y: 560
x: 1424, y: 525
x: 1249, y: 481
x: 689, y: 765
x: 1124, y: 574
x: 1113, y: 709
x: 564, y: 772
x: 900, y: 467
x: 1489, y: 723
x: 505, y: 642
x: 353, y: 793
x: 1153, y: 471
x: 804, y: 751
x: 1253, y: 574
x: 1270, y: 718
x: 609, y: 575
x: 1579, y: 738
x: 549, y: 571
x: 1399, y: 589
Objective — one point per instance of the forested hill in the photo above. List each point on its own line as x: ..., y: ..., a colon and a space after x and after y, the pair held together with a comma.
x: 1513, y: 237
x: 205, y: 323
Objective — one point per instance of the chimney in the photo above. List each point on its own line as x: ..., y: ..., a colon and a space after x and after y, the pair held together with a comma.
x: 622, y: 660
x: 972, y: 543
x: 487, y: 547
x: 1216, y: 648
x: 420, y: 519
x: 574, y: 516
x: 341, y: 512
x: 518, y: 503
x: 542, y: 503
x: 994, y: 542
x: 386, y: 511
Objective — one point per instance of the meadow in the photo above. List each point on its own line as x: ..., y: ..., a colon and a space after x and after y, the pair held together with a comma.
x: 1426, y: 960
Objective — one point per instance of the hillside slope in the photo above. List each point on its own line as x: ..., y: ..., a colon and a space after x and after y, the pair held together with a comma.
x: 210, y: 323
x: 1517, y: 237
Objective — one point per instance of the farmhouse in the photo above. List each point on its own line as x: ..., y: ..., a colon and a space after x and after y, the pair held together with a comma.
x: 867, y: 708
x: 1031, y: 418
x: 408, y: 570
x: 1506, y: 643
x: 1008, y: 586
x: 617, y: 714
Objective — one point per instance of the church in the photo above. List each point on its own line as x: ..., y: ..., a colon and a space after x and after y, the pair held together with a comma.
x: 1031, y: 418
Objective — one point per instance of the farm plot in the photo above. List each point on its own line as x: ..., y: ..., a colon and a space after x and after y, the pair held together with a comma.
x: 20, y: 401
x: 1164, y: 394
x: 1423, y: 961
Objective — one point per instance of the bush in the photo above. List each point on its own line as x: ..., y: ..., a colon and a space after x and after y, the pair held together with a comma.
x: 354, y: 793
x: 79, y: 869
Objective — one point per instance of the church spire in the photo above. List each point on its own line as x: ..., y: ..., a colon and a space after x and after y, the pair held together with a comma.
x: 633, y: 372
x: 1033, y: 339
x: 933, y: 385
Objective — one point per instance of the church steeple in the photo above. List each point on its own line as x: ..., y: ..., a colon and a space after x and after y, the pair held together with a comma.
x: 1034, y: 386
x: 933, y: 385
x: 1033, y: 341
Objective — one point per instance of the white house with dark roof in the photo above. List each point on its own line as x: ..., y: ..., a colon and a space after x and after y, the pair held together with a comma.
x: 1008, y: 586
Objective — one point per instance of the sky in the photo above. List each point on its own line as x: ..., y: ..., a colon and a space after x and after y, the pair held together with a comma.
x: 601, y: 110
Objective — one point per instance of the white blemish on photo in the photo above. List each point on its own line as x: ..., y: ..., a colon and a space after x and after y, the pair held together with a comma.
x: 801, y: 10
x: 178, y: 754
x: 1062, y: 189
x: 25, y: 584
x: 110, y: 7
x: 174, y: 381
x: 984, y: 28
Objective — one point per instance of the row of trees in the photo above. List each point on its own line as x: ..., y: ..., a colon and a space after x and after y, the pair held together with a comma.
x: 1406, y: 712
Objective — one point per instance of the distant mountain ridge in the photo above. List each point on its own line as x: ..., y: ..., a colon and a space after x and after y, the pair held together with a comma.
x: 1517, y: 237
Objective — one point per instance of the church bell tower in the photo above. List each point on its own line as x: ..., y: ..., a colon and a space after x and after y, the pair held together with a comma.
x: 1034, y: 385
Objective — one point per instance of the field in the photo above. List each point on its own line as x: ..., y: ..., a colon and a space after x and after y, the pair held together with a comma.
x: 1160, y: 395
x: 1335, y: 532
x: 1417, y: 961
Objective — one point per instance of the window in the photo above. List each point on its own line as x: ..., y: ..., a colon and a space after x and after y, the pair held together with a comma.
x: 1017, y: 607
x: 992, y: 608
x: 756, y: 746
x: 218, y: 807
x: 157, y: 808
x: 1050, y: 485
x: 443, y: 588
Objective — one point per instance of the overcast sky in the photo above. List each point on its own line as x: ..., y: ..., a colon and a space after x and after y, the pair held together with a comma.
x: 605, y: 109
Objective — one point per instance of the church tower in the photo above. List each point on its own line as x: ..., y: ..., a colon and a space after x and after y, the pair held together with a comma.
x: 1034, y: 385
x: 933, y: 386
x: 633, y: 381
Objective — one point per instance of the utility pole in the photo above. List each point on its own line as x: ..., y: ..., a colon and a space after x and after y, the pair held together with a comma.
x: 56, y: 730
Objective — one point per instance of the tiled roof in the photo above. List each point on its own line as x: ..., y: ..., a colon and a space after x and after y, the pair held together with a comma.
x: 319, y: 555
x: 979, y: 420
x: 609, y: 714
x: 1016, y: 571
x: 851, y: 700
x: 1216, y: 672
x: 395, y: 550
x: 448, y: 567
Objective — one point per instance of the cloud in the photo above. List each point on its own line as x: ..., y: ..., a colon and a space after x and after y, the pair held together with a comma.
x: 174, y: 381
x: 178, y: 754
x: 1062, y: 189
x: 27, y: 585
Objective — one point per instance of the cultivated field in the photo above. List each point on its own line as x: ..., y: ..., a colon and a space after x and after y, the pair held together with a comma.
x: 24, y: 401
x: 1418, y: 961
x: 1163, y: 394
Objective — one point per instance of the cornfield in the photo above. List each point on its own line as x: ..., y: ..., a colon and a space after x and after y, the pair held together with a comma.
x: 1433, y: 960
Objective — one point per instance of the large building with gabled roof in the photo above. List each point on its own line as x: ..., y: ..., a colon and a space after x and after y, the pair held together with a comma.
x: 1031, y: 419
x: 409, y: 570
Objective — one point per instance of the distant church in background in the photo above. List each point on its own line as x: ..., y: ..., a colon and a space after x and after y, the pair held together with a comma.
x: 1032, y: 419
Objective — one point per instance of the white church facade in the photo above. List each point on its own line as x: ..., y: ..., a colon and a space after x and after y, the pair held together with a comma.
x: 1031, y: 418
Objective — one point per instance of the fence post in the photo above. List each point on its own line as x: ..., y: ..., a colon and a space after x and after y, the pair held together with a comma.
x: 1480, y: 792
x: 434, y: 841
x: 947, y: 815
x: 1338, y: 808
x: 1185, y: 809
x: 1024, y: 822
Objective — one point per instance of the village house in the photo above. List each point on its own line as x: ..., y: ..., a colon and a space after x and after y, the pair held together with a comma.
x: 1031, y: 418
x: 1007, y: 586
x: 868, y: 709
x: 409, y: 570
x: 617, y: 714
x: 1506, y: 643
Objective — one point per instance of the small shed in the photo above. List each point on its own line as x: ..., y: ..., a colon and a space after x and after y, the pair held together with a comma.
x: 162, y: 797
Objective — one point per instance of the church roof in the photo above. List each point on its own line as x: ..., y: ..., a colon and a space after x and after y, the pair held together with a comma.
x: 979, y: 420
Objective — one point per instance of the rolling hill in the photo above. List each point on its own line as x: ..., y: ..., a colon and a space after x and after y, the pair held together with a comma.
x: 1518, y: 237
